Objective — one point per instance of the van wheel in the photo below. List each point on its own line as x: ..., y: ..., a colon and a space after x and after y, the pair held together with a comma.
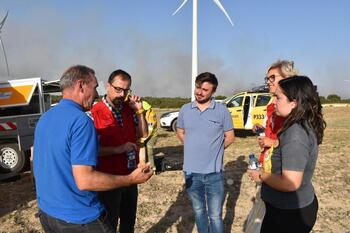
x: 12, y: 160
x: 173, y: 125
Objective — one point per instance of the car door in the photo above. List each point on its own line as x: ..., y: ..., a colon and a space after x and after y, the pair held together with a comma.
x: 235, y: 106
x: 259, y: 109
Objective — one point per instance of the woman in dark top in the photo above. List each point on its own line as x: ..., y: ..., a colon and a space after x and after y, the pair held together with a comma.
x: 291, y: 203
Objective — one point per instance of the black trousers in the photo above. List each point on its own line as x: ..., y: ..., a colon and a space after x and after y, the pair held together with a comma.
x: 54, y: 225
x: 290, y: 220
x: 121, y: 206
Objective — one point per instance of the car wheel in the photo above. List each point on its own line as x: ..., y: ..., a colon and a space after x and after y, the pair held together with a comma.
x: 173, y: 125
x: 12, y: 160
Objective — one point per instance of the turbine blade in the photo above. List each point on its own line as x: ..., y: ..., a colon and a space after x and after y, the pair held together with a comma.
x: 217, y: 2
x: 183, y: 3
x: 3, y: 21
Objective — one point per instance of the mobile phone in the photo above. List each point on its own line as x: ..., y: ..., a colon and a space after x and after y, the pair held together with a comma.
x: 260, y: 131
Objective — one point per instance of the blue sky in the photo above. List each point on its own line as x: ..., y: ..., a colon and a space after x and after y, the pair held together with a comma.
x: 43, y: 38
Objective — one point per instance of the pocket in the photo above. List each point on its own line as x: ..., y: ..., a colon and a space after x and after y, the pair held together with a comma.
x: 188, y: 180
x: 217, y: 177
x: 214, y: 122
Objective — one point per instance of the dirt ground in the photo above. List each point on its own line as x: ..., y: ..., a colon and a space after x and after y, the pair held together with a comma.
x: 164, y: 206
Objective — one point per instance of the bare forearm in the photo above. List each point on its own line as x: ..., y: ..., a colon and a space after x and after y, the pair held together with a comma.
x: 229, y: 138
x: 279, y: 182
x: 87, y: 178
x: 228, y: 142
x: 98, y: 181
x: 142, y: 128
x: 180, y: 134
x: 110, y: 150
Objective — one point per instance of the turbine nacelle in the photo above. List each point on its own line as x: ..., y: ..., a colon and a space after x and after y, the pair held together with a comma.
x: 217, y: 2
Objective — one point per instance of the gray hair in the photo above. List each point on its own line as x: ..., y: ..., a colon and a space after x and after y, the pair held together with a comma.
x: 285, y: 67
x: 75, y: 73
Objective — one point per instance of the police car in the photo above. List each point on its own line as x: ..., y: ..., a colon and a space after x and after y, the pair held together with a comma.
x: 246, y: 108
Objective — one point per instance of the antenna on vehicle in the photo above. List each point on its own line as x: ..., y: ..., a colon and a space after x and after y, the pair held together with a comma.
x: 2, y: 44
x: 194, y: 38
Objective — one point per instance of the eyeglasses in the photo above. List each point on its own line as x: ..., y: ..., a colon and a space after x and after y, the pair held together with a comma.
x: 120, y: 90
x: 271, y: 78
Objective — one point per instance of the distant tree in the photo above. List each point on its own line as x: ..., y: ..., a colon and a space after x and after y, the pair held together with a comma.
x: 323, y: 100
x: 333, y: 98
x: 167, y: 102
x: 220, y: 97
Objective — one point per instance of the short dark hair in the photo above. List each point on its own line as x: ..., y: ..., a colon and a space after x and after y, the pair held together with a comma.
x: 123, y: 74
x: 207, y: 77
x: 308, y: 109
x: 75, y: 73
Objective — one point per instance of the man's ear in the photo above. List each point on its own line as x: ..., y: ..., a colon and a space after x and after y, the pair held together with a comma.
x: 79, y: 85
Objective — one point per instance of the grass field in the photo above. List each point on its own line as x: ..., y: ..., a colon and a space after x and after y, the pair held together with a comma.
x: 163, y: 204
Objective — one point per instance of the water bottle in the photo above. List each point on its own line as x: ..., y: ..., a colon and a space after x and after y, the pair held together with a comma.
x: 253, y: 162
x: 131, y: 156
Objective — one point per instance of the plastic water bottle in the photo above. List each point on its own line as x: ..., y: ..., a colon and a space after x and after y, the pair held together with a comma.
x: 131, y: 156
x: 253, y: 162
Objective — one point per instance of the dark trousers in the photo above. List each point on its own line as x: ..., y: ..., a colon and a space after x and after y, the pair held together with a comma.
x: 121, y: 206
x: 54, y: 225
x: 286, y: 220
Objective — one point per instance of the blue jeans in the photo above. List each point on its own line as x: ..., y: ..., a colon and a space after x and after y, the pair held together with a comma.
x: 206, y: 192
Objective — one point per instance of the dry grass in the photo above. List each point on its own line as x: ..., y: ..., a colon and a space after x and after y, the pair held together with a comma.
x: 163, y: 204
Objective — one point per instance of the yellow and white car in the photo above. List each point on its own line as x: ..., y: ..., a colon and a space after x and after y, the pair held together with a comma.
x: 248, y: 108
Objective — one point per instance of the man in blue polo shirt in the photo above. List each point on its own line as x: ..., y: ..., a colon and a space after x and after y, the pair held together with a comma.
x: 206, y: 129
x: 65, y: 154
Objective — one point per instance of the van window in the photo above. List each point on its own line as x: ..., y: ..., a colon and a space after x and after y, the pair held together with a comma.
x: 262, y: 100
x: 32, y: 108
x: 236, y: 102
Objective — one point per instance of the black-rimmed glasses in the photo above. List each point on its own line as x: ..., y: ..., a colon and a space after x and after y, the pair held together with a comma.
x: 271, y: 78
x: 120, y: 90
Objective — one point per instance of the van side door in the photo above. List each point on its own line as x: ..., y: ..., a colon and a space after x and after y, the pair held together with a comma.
x: 259, y: 110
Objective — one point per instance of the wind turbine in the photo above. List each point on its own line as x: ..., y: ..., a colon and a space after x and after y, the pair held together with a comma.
x: 2, y: 45
x: 195, y: 38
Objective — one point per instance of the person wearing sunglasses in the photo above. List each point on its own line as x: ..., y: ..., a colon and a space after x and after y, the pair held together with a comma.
x: 287, y: 191
x: 120, y: 124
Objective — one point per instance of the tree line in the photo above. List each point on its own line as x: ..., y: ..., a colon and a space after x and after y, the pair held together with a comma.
x: 177, y: 102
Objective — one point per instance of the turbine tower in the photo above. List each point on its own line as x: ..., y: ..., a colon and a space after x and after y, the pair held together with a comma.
x: 195, y: 39
x: 2, y: 45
